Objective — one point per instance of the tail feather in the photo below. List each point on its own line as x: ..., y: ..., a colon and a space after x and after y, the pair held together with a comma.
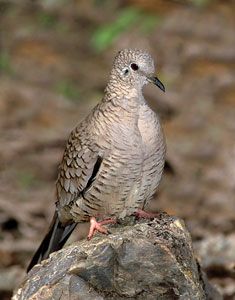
x: 54, y: 240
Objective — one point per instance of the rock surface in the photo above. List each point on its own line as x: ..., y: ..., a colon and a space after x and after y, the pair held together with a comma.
x: 141, y: 260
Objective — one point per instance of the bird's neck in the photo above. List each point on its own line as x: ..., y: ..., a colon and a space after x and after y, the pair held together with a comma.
x: 125, y: 96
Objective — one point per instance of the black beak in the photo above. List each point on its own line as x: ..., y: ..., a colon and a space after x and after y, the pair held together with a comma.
x: 157, y: 82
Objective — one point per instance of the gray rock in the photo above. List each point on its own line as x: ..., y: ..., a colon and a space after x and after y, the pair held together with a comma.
x: 142, y: 260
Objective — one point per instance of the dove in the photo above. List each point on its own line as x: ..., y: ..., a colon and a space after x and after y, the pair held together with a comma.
x: 114, y: 159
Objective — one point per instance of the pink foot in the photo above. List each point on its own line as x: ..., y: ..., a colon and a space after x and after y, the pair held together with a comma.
x: 146, y: 215
x: 97, y: 226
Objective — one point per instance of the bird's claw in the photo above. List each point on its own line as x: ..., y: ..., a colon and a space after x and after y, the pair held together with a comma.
x: 97, y: 226
x: 146, y: 215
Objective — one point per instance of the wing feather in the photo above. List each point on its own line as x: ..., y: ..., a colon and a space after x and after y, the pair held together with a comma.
x: 77, y: 170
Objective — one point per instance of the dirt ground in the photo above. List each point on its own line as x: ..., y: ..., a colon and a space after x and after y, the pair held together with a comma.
x: 54, y: 62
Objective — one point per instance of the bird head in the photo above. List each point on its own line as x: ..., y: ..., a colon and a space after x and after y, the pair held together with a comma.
x: 134, y: 68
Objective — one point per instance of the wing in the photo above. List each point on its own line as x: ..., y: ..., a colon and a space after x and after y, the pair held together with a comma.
x: 77, y: 170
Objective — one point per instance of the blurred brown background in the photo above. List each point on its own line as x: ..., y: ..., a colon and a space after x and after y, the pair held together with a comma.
x: 55, y: 56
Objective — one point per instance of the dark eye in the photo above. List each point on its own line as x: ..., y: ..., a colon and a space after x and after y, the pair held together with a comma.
x: 126, y: 71
x: 134, y: 67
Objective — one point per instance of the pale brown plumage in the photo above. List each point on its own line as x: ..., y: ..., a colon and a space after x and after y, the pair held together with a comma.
x: 114, y: 158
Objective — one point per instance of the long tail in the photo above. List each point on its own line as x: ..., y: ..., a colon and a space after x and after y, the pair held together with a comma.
x: 54, y: 240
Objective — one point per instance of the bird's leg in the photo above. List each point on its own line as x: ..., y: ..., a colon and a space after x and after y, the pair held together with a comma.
x: 97, y: 226
x: 146, y: 215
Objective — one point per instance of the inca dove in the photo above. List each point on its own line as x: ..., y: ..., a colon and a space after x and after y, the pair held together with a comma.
x: 114, y: 158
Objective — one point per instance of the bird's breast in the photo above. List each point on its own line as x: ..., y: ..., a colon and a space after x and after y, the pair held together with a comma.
x: 154, y: 149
